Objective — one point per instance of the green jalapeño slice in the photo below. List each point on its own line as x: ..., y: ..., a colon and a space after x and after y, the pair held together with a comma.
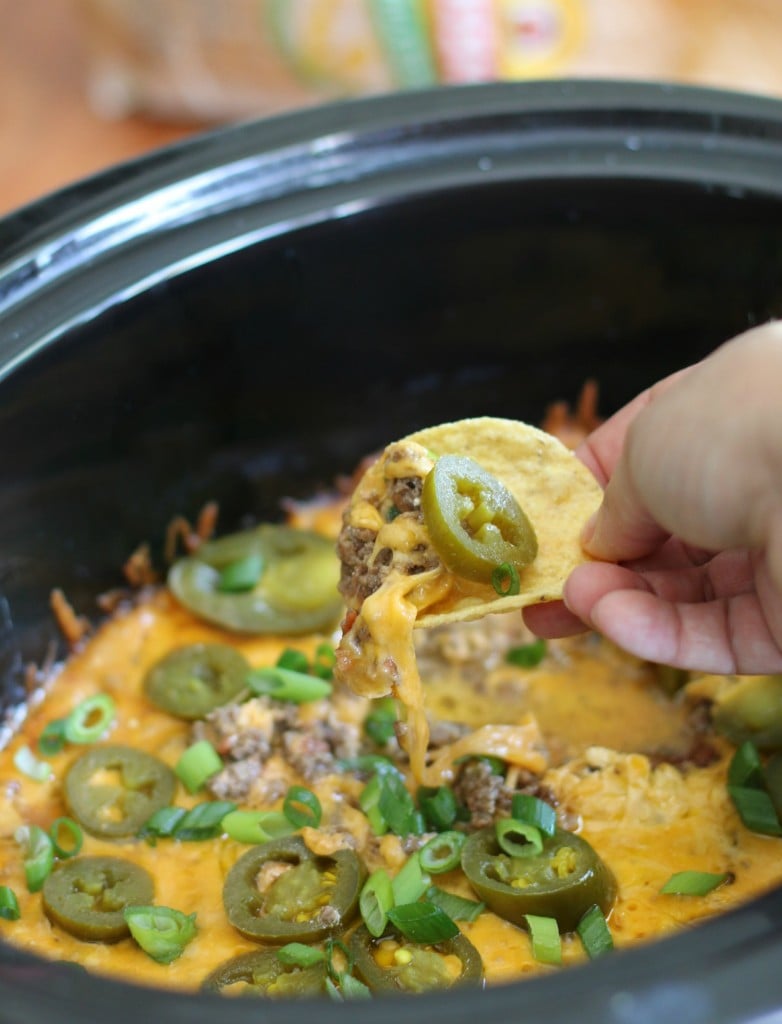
x: 86, y: 896
x: 112, y: 790
x: 392, y: 964
x: 282, y: 892
x: 474, y: 522
x: 563, y: 880
x: 292, y: 587
x: 192, y: 681
x: 263, y: 974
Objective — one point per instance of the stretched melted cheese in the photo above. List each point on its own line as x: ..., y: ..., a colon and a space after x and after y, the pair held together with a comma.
x: 377, y: 656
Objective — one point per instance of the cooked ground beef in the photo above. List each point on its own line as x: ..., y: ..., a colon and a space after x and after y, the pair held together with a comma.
x: 358, y: 579
x: 483, y: 793
x: 234, y: 781
x: 248, y: 734
x: 405, y: 493
x: 309, y: 753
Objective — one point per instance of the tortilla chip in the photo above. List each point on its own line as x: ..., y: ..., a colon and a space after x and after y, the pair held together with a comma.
x: 555, y: 489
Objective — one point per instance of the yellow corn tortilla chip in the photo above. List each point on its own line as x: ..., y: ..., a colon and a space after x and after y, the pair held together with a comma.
x: 555, y: 489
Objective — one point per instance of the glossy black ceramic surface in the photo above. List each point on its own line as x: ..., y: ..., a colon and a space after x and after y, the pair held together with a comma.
x: 244, y: 315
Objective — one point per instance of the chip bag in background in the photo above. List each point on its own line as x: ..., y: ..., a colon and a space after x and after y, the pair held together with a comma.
x: 216, y: 60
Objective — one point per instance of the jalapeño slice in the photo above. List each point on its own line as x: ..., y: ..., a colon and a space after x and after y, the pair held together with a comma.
x: 282, y: 892
x: 112, y: 790
x: 474, y: 522
x: 563, y: 881
x: 295, y: 590
x: 392, y: 964
x: 263, y: 974
x: 192, y: 681
x: 86, y: 896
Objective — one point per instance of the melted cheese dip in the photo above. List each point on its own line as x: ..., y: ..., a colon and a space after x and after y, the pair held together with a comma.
x: 609, y: 746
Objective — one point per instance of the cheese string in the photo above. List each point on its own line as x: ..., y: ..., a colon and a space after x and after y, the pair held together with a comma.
x: 389, y: 614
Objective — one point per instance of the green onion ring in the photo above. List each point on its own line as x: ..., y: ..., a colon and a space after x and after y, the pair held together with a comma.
x: 505, y: 580
x: 442, y: 853
x: 509, y: 827
x: 90, y: 719
x: 301, y: 807
x: 75, y: 837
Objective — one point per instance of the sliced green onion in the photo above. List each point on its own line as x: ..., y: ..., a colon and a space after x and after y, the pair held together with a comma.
x: 496, y: 764
x: 745, y: 769
x: 336, y: 946
x: 546, y: 943
x: 509, y: 830
x: 397, y: 807
x: 379, y: 723
x: 197, y: 764
x: 410, y: 882
x: 377, y: 898
x: 443, y: 853
x: 162, y: 932
x: 693, y: 883
x: 391, y: 513
x: 438, y: 806
x: 533, y: 811
x: 423, y: 922
x: 28, y: 764
x: 324, y: 661
x: 285, y: 684
x: 756, y: 810
x: 352, y: 988
x: 346, y: 987
x: 296, y: 661
x: 296, y: 954
x: 256, y: 826
x: 594, y: 934
x: 38, y: 854
x: 162, y: 824
x: 9, y: 904
x: 67, y: 837
x: 241, y: 575
x: 456, y: 907
x: 527, y: 655
x: 367, y: 764
x: 204, y: 821
x: 90, y: 719
x: 52, y: 738
x: 301, y: 807
x: 505, y: 580
x: 368, y: 800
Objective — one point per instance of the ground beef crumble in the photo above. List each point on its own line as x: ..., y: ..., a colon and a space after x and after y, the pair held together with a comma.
x: 483, y: 793
x: 362, y: 568
x: 486, y: 795
x: 247, y: 735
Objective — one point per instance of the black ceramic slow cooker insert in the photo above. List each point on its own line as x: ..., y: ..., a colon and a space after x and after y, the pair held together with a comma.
x: 244, y: 315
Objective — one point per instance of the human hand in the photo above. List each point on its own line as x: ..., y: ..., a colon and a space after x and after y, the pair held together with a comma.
x: 689, y: 535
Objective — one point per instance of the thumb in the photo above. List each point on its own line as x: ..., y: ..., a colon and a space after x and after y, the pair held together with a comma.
x: 622, y: 529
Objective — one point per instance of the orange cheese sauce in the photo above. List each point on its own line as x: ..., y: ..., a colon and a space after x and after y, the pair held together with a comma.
x: 589, y: 711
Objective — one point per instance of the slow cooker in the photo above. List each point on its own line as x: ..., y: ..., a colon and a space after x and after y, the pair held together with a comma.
x: 244, y: 315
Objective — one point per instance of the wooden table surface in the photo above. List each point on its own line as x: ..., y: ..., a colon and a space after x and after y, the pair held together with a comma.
x: 50, y: 136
